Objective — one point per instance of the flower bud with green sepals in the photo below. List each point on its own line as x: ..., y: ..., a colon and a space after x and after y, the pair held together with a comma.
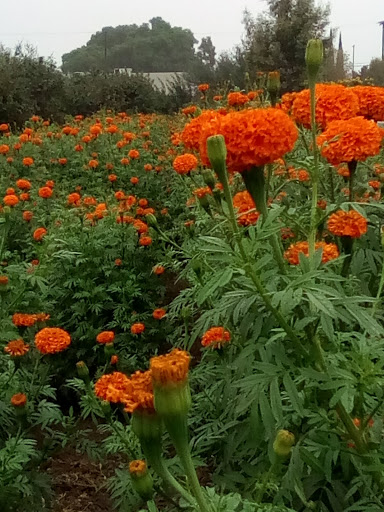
x: 314, y: 57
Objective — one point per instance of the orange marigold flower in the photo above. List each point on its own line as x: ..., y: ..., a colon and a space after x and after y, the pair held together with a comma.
x: 189, y: 110
x: 215, y: 337
x: 371, y: 101
x: 137, y: 328
x: 112, y: 387
x: 16, y: 348
x: 51, y: 340
x: 24, y: 196
x: 237, y: 98
x: 79, y: 148
x: 4, y: 149
x: 4, y: 280
x: 63, y: 161
x: 298, y: 174
x: 133, y: 153
x: 170, y: 368
x: 143, y: 202
x: 19, y: 400
x: 10, y: 200
x: 105, y: 337
x: 28, y: 161
x: 244, y: 205
x: 158, y: 270
x: 144, y: 241
x: 4, y: 127
x: 129, y: 136
x: 351, y: 224
x: 134, y: 180
x: 74, y: 199
x: 333, y: 102
x: 39, y: 234
x: 330, y: 251
x: 183, y: 164
x: 203, y: 87
x: 159, y: 313
x: 114, y: 359
x: 202, y: 192
x: 374, y: 184
x: 23, y: 184
x: 139, y: 393
x: 45, y: 192
x: 190, y: 136
x: 27, y: 215
x: 96, y: 129
x: 50, y: 184
x: 138, y: 468
x: 118, y: 262
x: 253, y: 137
x: 112, y: 178
x: 93, y: 164
x: 148, y: 167
x: 352, y: 140
x: 23, y: 319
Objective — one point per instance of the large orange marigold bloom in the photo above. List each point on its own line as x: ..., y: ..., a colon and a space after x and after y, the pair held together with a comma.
x: 16, y: 348
x: 112, y: 387
x: 333, y: 102
x: 170, y: 368
x: 371, y: 101
x: 215, y: 337
x: 352, y: 140
x: 10, y: 200
x: 183, y: 164
x: 45, y: 192
x: 51, y: 340
x: 330, y: 251
x: 351, y: 224
x: 23, y: 184
x: 190, y: 136
x: 253, y: 137
x: 244, y: 203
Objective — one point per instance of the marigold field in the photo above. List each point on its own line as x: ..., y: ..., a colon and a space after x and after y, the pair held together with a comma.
x: 194, y: 306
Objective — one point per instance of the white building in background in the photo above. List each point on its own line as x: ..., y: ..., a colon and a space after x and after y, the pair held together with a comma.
x: 161, y: 81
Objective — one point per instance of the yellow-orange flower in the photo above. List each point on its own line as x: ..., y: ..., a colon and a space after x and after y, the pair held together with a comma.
x: 351, y: 224
x: 352, y: 140
x: 112, y: 387
x: 51, y: 340
x: 170, y: 368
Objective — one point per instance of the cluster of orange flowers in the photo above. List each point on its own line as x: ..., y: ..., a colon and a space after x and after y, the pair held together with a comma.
x: 27, y: 319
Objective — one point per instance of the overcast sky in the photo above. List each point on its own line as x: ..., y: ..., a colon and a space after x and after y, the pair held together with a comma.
x: 57, y: 27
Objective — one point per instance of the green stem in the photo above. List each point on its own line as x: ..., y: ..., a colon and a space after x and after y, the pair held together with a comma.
x: 315, y: 175
x: 379, y: 291
x: 352, y: 168
x: 255, y: 182
x: 152, y: 452
x: 178, y: 431
x: 266, y: 478
x: 331, y: 184
x: 253, y: 276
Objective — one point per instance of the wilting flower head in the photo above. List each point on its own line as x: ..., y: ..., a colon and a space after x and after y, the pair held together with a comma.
x: 215, y: 337
x: 253, y: 137
x: 351, y: 224
x: 352, y: 140
x: 16, y: 348
x: 51, y: 340
x: 330, y: 251
x: 333, y: 102
x: 244, y: 205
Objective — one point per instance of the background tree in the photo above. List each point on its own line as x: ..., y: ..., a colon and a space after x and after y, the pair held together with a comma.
x: 276, y: 39
x: 207, y: 52
x: 151, y: 47
x: 374, y: 72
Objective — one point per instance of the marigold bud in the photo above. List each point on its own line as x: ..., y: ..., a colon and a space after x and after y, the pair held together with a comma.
x: 273, y: 86
x: 314, y: 58
x: 209, y: 178
x: 141, y: 479
x: 106, y: 408
x: 217, y: 154
x: 109, y: 350
x: 151, y: 220
x: 82, y: 371
x: 283, y: 443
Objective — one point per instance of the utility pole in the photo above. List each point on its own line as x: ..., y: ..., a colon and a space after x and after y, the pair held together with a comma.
x: 105, y: 50
x: 353, y: 61
x: 382, y: 40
